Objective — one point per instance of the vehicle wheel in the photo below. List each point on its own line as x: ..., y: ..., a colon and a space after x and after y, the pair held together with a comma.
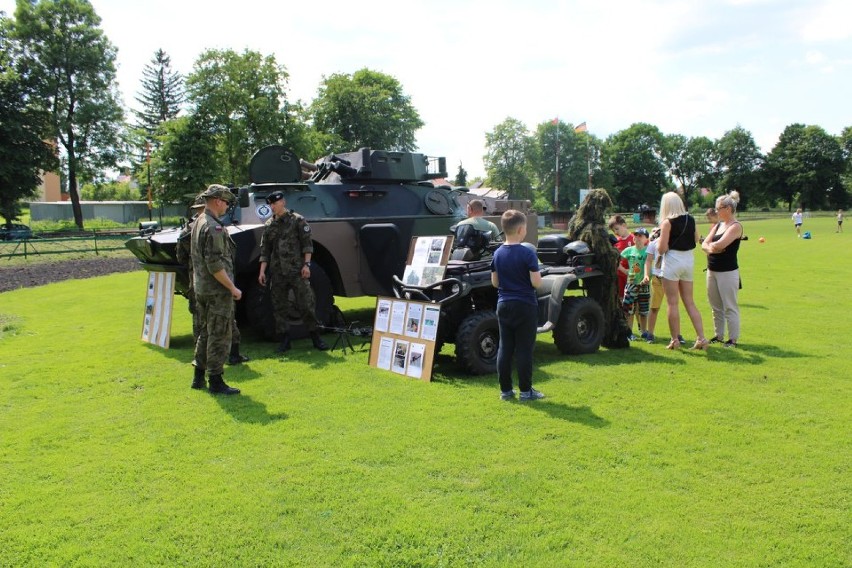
x: 477, y: 340
x: 258, y: 306
x: 580, y: 328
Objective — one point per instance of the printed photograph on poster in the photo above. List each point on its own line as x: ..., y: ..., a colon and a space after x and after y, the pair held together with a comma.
x: 397, y: 322
x: 438, y: 244
x: 412, y: 320
x: 385, y: 353
x: 415, y: 360
x: 412, y: 275
x: 430, y: 323
x: 382, y: 315
x: 435, y: 257
x: 421, y: 250
x: 400, y: 356
x: 431, y: 274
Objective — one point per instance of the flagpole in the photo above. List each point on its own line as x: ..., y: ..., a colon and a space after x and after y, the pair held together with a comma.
x: 556, y: 187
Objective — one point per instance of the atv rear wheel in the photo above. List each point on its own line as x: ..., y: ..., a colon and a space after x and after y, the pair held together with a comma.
x: 580, y: 328
x: 477, y: 340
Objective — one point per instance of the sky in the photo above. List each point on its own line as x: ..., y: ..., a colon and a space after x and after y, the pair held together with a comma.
x: 691, y: 67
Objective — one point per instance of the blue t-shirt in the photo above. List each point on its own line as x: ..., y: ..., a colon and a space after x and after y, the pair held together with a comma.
x: 513, y: 264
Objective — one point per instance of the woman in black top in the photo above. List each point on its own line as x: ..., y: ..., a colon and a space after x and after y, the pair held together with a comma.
x: 723, y: 274
x: 678, y: 237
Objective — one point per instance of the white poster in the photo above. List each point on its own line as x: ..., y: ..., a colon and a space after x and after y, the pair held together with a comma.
x: 412, y: 320
x: 159, y: 300
x: 400, y: 356
x: 415, y: 360
x: 385, y: 353
x: 430, y: 323
x: 397, y: 322
x: 382, y: 315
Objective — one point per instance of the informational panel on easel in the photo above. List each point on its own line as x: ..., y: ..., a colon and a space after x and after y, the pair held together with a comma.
x: 404, y: 336
x: 405, y: 331
x: 159, y: 301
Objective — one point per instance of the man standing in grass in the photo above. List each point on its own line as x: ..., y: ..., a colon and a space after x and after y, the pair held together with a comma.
x: 215, y: 291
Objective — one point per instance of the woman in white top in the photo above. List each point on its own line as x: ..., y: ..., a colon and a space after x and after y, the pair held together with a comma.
x: 678, y: 238
x: 797, y: 220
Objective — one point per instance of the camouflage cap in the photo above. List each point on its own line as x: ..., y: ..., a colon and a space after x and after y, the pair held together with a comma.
x: 198, y: 203
x: 220, y: 191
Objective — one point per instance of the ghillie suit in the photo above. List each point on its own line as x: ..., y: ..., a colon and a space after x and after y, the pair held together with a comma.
x: 588, y: 226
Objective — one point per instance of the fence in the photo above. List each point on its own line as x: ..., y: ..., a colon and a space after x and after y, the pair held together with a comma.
x: 82, y: 242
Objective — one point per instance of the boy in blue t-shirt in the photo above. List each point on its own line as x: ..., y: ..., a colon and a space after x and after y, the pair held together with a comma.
x: 515, y: 274
x: 636, y: 290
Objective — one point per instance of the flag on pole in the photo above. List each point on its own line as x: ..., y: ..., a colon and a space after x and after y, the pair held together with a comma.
x: 555, y: 121
x: 580, y: 127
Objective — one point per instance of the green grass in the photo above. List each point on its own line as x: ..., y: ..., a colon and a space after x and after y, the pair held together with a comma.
x: 639, y: 457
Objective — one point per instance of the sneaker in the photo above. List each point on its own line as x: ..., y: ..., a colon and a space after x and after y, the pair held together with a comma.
x: 531, y: 394
x: 716, y: 339
x: 650, y: 338
x: 507, y: 395
x: 631, y: 337
x: 730, y: 343
x: 644, y: 335
x: 681, y: 340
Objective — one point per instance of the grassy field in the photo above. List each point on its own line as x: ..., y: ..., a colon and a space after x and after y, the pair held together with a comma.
x: 639, y: 457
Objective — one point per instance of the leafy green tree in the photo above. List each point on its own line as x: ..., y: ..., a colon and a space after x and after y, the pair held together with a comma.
x: 461, y: 177
x: 633, y: 162
x: 805, y: 167
x: 739, y: 161
x: 239, y: 100
x: 109, y: 191
x: 508, y: 149
x: 24, y: 126
x: 186, y: 162
x: 574, y: 152
x: 161, y: 96
x: 691, y: 162
x: 75, y: 63
x: 367, y: 109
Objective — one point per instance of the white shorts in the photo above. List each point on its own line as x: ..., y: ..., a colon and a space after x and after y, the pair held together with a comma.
x: 678, y: 265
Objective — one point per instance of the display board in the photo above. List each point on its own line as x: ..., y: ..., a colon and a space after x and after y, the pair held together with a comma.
x: 404, y: 337
x: 159, y: 302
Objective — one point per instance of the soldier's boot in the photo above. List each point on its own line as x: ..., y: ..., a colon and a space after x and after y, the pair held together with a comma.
x: 318, y: 342
x: 198, y: 381
x: 235, y: 358
x: 284, y: 344
x: 218, y: 386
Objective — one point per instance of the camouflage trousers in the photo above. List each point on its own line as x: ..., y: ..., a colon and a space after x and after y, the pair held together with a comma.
x: 304, y: 302
x: 196, y: 322
x: 215, y: 319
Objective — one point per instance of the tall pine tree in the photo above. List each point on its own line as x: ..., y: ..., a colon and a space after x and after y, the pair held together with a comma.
x: 162, y: 94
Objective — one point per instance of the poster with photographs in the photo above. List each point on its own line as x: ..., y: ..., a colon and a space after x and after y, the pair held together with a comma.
x: 427, y: 260
x: 159, y: 301
x: 405, y: 342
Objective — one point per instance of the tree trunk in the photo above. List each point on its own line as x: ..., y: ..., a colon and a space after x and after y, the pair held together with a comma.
x: 72, y: 181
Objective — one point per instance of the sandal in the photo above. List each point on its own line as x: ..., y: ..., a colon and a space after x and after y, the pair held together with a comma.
x: 701, y: 344
x: 674, y: 345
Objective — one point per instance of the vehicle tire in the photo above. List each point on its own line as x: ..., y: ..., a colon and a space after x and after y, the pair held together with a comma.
x: 477, y: 340
x: 259, y: 313
x: 580, y: 328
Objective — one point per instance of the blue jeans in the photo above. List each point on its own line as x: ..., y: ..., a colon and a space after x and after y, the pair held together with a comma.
x: 518, y: 322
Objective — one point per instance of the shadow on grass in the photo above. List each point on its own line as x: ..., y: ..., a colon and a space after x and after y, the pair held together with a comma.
x: 754, y: 306
x: 245, y: 409
x: 577, y: 414
x: 753, y: 354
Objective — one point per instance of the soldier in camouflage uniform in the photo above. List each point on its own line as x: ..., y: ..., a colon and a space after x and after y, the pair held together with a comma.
x: 183, y: 253
x: 213, y: 277
x: 286, y: 247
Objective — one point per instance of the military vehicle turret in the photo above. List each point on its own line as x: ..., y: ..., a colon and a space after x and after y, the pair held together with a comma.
x: 363, y: 207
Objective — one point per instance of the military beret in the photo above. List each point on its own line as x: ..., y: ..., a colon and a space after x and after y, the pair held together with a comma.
x: 219, y: 191
x: 274, y: 196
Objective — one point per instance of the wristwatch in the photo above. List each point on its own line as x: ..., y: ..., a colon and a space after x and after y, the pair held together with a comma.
x: 307, y: 263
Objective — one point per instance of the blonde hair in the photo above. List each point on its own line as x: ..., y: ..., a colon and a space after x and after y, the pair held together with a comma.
x: 512, y: 220
x: 729, y: 200
x: 671, y: 205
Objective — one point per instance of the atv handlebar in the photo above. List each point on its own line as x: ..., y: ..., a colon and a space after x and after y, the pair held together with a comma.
x: 419, y: 293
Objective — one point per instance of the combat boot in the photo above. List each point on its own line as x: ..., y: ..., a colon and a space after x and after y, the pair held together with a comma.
x: 235, y: 358
x: 198, y: 381
x: 284, y: 345
x: 318, y: 342
x: 218, y: 386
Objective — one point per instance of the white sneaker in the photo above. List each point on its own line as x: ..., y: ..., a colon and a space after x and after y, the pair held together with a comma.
x: 531, y: 394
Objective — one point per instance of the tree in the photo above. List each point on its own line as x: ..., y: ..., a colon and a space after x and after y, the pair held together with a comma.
x: 574, y: 151
x: 239, y: 100
x: 75, y: 63
x: 24, y: 126
x: 632, y: 160
x: 186, y: 162
x: 461, y: 177
x: 161, y: 96
x: 508, y: 149
x: 805, y: 167
x: 738, y: 162
x: 690, y: 162
x: 367, y: 109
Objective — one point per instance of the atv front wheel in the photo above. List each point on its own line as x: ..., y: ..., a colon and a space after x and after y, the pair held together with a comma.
x: 580, y: 328
x: 477, y: 340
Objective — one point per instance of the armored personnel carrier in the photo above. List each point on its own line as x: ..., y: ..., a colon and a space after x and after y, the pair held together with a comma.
x: 364, y: 208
